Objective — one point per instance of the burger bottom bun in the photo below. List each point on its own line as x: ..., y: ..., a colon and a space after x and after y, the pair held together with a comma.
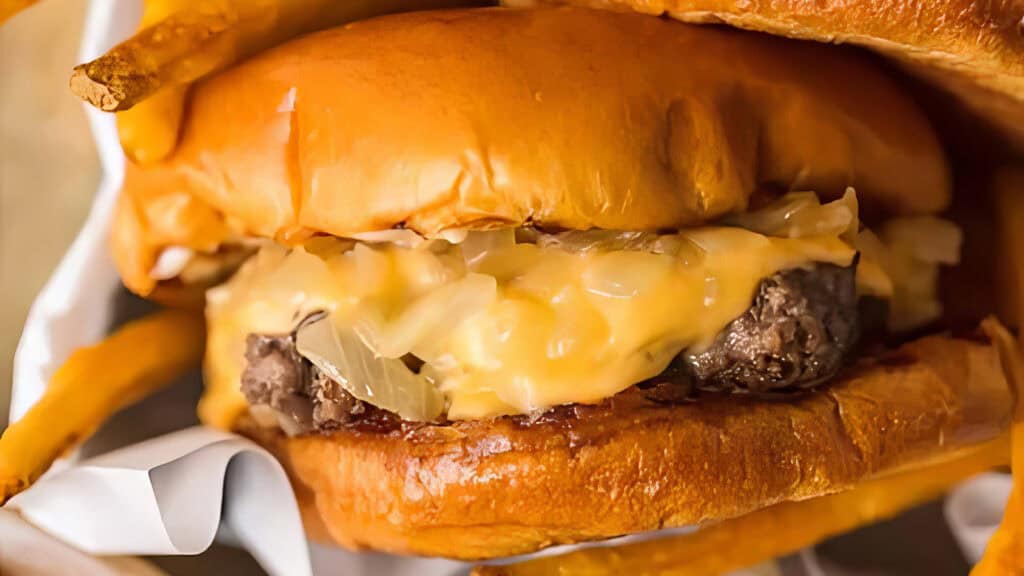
x: 484, y: 489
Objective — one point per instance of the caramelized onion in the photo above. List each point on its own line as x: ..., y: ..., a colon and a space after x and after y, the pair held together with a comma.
x: 926, y: 238
x: 423, y: 324
x: 477, y: 245
x: 910, y: 251
x: 801, y: 214
x: 397, y: 237
x: 386, y: 383
x: 601, y: 240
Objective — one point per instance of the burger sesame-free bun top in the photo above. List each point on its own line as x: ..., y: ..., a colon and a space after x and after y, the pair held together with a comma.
x: 971, y: 48
x: 497, y: 117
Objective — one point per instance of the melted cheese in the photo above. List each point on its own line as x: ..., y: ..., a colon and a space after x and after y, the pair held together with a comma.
x: 561, y: 326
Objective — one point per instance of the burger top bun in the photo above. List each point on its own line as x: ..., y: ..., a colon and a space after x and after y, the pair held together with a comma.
x: 972, y: 48
x: 496, y: 117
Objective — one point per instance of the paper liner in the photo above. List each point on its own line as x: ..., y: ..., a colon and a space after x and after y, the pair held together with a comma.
x: 167, y: 496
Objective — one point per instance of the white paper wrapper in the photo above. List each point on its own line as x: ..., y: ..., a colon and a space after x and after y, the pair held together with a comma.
x: 171, y: 495
x: 167, y: 496
x: 975, y: 509
x: 28, y: 551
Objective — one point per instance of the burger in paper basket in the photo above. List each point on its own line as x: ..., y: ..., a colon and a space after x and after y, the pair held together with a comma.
x: 487, y: 280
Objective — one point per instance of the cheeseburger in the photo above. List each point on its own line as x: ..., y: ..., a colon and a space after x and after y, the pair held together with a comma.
x: 495, y: 279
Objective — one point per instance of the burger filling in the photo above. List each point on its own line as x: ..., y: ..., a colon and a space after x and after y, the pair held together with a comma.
x: 799, y: 331
x: 484, y: 324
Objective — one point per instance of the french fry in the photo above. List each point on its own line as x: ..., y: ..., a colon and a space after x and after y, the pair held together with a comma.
x: 178, y: 49
x: 181, y: 41
x: 1005, y: 551
x: 91, y: 385
x: 149, y: 131
x: 9, y: 8
x: 769, y: 532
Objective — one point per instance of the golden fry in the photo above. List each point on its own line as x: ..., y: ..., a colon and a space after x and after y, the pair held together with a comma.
x: 92, y: 384
x: 149, y: 131
x: 9, y: 8
x: 180, y: 42
x: 766, y: 533
x: 1005, y: 551
x: 178, y: 49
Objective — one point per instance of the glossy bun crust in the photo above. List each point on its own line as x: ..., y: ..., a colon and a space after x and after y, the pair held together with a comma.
x: 973, y: 48
x: 498, y: 117
x: 480, y: 489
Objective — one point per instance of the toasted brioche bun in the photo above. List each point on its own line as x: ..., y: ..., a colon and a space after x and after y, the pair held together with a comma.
x: 973, y: 49
x: 495, y: 117
x: 480, y: 489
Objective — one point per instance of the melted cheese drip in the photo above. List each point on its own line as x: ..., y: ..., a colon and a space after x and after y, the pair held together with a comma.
x: 563, y: 326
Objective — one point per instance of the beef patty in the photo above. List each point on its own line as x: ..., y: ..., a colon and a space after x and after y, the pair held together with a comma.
x: 798, y: 332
